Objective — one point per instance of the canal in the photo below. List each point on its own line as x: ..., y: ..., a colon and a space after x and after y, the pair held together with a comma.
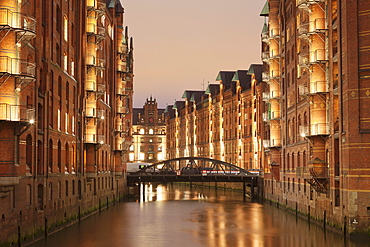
x: 183, y: 216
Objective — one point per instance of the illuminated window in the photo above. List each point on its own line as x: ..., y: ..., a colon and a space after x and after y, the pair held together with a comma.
x: 141, y: 156
x: 151, y: 132
x: 65, y: 61
x: 72, y: 68
x: 73, y: 124
x: 142, y: 131
x: 66, y: 122
x: 131, y: 156
x: 132, y: 148
x: 65, y: 28
x: 59, y: 119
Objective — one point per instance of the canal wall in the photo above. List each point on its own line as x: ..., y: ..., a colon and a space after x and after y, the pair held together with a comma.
x: 313, y: 206
x: 66, y: 200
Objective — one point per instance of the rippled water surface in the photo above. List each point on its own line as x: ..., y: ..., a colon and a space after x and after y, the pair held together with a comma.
x: 177, y: 215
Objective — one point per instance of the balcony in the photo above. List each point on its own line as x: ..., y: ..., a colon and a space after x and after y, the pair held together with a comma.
x: 271, y: 75
x: 314, y: 129
x: 94, y: 139
x: 97, y: 6
x: 313, y: 57
x: 90, y: 112
x: 122, y: 50
x: 274, y: 94
x: 274, y: 33
x: 271, y: 143
x: 17, y: 113
x: 24, y: 25
x: 94, y: 62
x: 265, y: 56
x: 313, y: 88
x: 265, y: 36
x: 95, y: 34
x: 317, y: 56
x: 92, y: 86
x: 122, y: 110
x: 313, y: 27
x: 15, y: 67
x: 305, y: 4
x: 121, y: 67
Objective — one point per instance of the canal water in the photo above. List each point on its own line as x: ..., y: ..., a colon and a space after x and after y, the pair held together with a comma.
x: 182, y: 216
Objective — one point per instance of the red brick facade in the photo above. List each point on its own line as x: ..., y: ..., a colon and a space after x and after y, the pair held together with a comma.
x: 66, y: 83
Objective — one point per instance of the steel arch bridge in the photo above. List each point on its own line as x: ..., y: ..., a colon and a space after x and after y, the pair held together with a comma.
x: 192, y: 169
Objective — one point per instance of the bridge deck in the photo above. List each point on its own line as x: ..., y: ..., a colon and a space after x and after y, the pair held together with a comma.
x: 135, y: 178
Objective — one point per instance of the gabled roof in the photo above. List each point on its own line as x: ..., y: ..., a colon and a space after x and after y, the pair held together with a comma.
x: 265, y: 10
x: 225, y: 77
x: 197, y: 96
x: 244, y: 79
x: 179, y: 105
x: 213, y: 89
x: 256, y: 69
x: 189, y: 93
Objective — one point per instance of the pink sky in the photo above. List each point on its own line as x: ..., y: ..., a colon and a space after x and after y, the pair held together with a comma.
x: 179, y: 44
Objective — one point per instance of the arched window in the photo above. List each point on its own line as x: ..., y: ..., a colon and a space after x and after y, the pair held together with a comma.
x: 151, y: 132
x: 142, y: 132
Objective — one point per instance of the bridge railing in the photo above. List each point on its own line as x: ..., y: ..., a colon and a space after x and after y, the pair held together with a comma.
x: 194, y: 166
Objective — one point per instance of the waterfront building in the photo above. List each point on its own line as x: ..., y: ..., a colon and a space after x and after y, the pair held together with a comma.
x: 316, y: 62
x: 149, y: 134
x: 221, y: 122
x: 66, y: 78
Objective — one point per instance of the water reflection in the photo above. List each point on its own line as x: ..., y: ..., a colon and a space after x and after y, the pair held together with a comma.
x: 177, y: 215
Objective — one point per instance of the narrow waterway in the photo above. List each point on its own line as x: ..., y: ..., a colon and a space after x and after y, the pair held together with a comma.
x: 177, y: 215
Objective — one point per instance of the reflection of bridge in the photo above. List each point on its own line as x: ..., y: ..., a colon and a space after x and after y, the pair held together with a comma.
x: 193, y: 169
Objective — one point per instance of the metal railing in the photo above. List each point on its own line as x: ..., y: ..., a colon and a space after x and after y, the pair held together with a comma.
x: 16, y: 66
x: 94, y: 138
x: 16, y: 113
x: 314, y: 129
x: 17, y: 20
x: 92, y: 60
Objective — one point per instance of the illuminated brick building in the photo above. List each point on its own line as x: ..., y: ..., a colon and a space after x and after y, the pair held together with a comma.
x: 223, y: 122
x: 65, y: 111
x: 149, y: 134
x: 316, y: 62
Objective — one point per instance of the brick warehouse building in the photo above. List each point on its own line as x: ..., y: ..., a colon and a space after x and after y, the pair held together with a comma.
x: 66, y: 78
x: 316, y: 65
x: 301, y: 117
x: 223, y: 122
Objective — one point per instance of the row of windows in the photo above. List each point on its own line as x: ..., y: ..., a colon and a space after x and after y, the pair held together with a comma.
x: 151, y: 131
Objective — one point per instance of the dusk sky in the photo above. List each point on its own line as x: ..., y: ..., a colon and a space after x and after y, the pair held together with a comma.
x: 178, y: 45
